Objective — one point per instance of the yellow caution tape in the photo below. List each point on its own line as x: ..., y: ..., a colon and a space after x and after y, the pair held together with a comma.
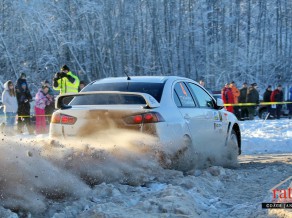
x: 46, y: 115
x: 255, y: 104
x: 238, y: 104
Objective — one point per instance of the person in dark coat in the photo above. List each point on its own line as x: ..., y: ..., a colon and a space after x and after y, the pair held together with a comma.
x: 278, y: 96
x: 267, y: 98
x: 23, y: 99
x: 252, y: 97
x: 242, y: 99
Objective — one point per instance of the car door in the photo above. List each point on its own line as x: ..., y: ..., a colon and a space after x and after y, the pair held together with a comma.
x: 214, y: 129
x: 192, y: 116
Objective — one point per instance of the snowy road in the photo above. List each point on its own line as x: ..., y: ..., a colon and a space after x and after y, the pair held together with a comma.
x: 256, y: 176
x: 214, y: 192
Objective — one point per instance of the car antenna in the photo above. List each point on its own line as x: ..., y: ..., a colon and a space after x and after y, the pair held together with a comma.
x: 128, y: 78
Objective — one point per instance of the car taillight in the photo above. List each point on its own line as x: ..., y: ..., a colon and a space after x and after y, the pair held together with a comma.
x: 137, y: 119
x: 69, y: 120
x: 56, y: 118
x: 63, y: 119
x: 152, y: 117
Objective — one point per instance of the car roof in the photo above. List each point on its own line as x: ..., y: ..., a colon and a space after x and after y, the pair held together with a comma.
x: 147, y: 79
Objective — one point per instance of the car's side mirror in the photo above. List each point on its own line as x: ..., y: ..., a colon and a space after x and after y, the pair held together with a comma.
x: 220, y: 103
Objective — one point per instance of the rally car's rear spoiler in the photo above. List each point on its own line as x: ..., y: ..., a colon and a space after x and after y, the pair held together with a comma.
x: 150, y: 101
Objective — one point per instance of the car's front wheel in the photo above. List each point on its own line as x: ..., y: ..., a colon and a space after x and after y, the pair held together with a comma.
x: 232, y: 150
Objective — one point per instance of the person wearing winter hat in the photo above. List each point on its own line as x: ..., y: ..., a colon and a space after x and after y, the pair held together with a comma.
x: 242, y: 99
x: 47, y: 83
x: 50, y: 107
x: 10, y: 106
x: 41, y: 101
x: 20, y: 81
x: 65, y: 81
x: 24, y: 98
x: 252, y: 97
x: 227, y: 97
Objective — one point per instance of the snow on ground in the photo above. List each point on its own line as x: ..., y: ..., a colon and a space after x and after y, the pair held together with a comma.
x: 44, y: 178
x: 270, y: 136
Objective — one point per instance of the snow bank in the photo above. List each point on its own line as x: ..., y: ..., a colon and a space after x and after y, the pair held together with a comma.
x: 266, y: 137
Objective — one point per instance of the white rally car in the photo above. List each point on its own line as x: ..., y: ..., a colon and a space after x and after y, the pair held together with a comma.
x: 170, y: 108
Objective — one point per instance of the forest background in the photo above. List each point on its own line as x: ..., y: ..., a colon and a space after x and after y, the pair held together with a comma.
x: 215, y: 40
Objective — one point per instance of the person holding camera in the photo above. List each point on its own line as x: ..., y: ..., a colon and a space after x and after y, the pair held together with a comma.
x: 65, y: 81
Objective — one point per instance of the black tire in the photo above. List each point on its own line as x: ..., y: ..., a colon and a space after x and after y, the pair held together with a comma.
x: 263, y: 113
x: 232, y: 150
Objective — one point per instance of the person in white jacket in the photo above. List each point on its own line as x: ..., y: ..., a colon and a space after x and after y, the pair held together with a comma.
x: 10, y: 104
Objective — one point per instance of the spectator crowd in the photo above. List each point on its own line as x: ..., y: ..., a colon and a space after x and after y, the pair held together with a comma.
x: 244, y: 101
x: 17, y: 99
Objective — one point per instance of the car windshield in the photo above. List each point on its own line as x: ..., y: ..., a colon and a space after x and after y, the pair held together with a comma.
x: 153, y: 89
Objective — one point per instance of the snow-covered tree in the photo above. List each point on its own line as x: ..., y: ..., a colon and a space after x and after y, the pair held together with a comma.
x: 220, y: 41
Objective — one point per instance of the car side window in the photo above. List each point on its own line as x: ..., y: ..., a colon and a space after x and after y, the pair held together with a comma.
x: 204, y: 99
x: 184, y: 96
x: 176, y: 99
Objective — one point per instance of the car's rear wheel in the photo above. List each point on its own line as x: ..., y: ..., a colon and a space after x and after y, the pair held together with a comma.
x: 263, y: 114
x: 232, y: 150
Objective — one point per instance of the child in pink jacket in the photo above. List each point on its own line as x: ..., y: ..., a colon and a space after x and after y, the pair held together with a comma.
x: 41, y: 100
